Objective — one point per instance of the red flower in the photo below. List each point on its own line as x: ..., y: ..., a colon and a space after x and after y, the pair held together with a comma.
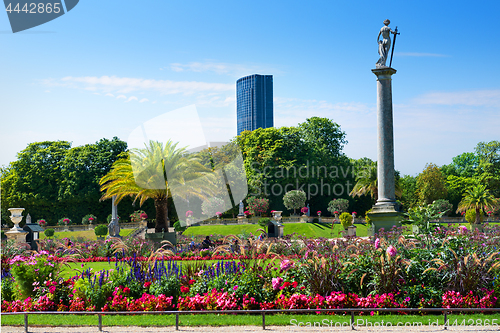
x: 191, y: 282
x: 126, y: 290
x: 294, y: 284
x: 184, y: 289
x: 147, y: 285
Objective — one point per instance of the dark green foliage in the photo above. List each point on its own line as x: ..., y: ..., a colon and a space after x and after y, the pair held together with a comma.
x: 101, y: 230
x: 50, y: 178
x: 178, y: 227
x: 307, y: 157
x: 49, y: 232
x: 264, y: 221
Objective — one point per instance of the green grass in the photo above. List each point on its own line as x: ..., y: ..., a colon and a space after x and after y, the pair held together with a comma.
x: 240, y: 320
x: 312, y: 230
x: 86, y: 234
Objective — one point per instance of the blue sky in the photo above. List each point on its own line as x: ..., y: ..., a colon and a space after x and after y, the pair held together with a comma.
x: 106, y: 67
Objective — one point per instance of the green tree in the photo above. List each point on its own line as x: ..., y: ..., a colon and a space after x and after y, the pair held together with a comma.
x: 155, y: 172
x: 431, y: 185
x: 50, y: 178
x: 463, y: 165
x: 294, y: 200
x: 367, y: 182
x: 409, y: 197
x: 478, y: 198
x: 307, y: 157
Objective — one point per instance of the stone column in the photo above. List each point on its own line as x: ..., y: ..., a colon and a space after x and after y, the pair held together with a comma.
x: 385, y: 147
x: 384, y: 212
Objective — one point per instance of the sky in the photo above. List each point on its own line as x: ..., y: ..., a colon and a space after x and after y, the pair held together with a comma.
x: 107, y: 67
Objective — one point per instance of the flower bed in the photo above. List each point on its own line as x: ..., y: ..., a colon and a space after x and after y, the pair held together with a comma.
x: 449, y: 268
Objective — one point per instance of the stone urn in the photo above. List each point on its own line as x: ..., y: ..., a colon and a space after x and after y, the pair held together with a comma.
x: 16, y: 233
x: 277, y: 215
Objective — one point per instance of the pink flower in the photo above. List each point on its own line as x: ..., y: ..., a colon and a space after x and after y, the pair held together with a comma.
x: 462, y: 229
x: 219, y: 214
x: 276, y: 282
x: 189, y: 213
x: 377, y: 243
x: 235, y: 287
x: 91, y: 219
x: 304, y: 210
x: 144, y: 216
x: 319, y: 213
x: 286, y: 265
x: 391, y: 251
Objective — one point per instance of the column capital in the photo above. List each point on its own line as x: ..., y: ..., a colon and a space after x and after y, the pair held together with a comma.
x: 384, y: 73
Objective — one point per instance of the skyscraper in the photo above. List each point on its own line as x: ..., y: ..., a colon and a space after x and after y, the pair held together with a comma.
x: 254, y: 102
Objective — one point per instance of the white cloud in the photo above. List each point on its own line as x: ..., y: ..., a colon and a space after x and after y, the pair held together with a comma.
x: 121, y: 97
x: 419, y: 54
x: 110, y: 95
x: 236, y: 70
x: 126, y: 85
x: 132, y: 98
x: 472, y: 98
x: 144, y: 100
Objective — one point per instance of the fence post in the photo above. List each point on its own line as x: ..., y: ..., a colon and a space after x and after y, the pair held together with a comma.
x: 99, y: 316
x: 177, y: 321
x: 352, y: 320
x: 263, y: 320
x: 445, y: 320
x: 26, y: 322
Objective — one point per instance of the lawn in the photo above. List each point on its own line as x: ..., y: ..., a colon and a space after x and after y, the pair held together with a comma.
x: 311, y: 230
x: 86, y: 234
x: 322, y: 320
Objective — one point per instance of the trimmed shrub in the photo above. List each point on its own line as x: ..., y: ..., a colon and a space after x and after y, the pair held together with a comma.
x: 49, y: 232
x: 346, y: 219
x: 101, y: 230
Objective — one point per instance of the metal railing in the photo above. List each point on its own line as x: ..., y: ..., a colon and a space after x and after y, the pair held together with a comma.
x: 445, y: 312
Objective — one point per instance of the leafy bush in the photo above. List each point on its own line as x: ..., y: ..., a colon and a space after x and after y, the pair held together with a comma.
x: 49, y: 232
x: 32, y: 271
x: 368, y: 220
x: 338, y: 205
x: 101, y: 230
x: 264, y: 221
x: 178, y: 227
x: 211, y: 206
x: 442, y: 206
x: 138, y: 216
x: 345, y: 219
x: 89, y: 217
x: 64, y: 221
x: 470, y: 216
x: 257, y: 206
x: 294, y: 199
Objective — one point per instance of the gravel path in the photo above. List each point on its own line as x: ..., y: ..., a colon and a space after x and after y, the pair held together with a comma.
x: 242, y: 329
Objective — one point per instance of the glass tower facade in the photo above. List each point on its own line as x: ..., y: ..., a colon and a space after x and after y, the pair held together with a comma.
x: 254, y: 102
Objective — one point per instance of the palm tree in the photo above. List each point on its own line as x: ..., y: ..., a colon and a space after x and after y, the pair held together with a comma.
x: 477, y: 198
x: 367, y: 183
x: 157, y: 171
